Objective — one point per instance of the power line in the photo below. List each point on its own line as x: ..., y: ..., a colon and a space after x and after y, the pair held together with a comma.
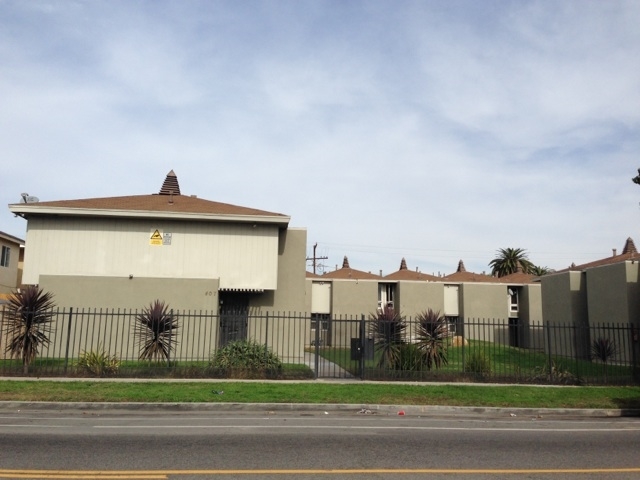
x: 315, y: 258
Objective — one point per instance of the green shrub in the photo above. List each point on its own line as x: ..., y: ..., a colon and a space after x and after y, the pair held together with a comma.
x: 98, y: 362
x: 478, y: 364
x: 410, y: 358
x: 245, y: 358
x: 558, y: 373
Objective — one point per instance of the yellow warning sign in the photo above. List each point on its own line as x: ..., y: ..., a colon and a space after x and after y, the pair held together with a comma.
x: 156, y: 238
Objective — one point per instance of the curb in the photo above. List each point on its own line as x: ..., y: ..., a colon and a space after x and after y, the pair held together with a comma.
x: 309, y: 408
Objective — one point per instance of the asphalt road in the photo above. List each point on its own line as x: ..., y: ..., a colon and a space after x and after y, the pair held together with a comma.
x: 158, y: 444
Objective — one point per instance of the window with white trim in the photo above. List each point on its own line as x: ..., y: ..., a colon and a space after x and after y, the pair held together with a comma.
x: 386, y: 295
x: 4, y: 259
x: 513, y: 300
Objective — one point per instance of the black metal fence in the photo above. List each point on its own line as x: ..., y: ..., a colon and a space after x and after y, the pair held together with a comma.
x: 496, y: 350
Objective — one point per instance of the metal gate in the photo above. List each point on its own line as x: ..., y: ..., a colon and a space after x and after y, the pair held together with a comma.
x: 344, y: 351
x: 234, y: 317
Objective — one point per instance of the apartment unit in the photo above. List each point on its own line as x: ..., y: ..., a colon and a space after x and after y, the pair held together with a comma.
x: 192, y: 253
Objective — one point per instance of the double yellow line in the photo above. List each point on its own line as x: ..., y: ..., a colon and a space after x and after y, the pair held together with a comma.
x: 165, y: 474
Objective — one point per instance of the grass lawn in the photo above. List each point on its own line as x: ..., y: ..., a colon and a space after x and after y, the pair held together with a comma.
x: 315, y: 393
x: 506, y: 363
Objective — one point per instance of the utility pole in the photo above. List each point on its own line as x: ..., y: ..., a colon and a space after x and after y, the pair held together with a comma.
x: 315, y: 259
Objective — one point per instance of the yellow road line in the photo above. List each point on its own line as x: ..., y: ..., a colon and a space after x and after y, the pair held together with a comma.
x: 65, y: 476
x: 163, y: 474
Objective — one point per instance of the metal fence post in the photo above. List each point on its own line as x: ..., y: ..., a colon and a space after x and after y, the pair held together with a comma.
x: 66, y: 353
x: 635, y: 350
x: 317, y: 345
x: 463, y: 342
x: 548, y: 332
x: 363, y: 345
x: 581, y: 330
x: 266, y: 336
x: 170, y: 337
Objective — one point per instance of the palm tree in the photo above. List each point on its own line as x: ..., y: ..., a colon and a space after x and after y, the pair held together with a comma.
x: 387, y: 329
x: 539, y: 271
x: 156, y: 331
x: 510, y: 260
x: 27, y: 324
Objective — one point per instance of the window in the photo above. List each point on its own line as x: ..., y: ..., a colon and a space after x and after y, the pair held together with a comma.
x: 513, y: 300
x: 4, y: 259
x: 386, y: 294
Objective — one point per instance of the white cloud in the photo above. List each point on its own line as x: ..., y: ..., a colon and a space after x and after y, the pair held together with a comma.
x: 434, y: 131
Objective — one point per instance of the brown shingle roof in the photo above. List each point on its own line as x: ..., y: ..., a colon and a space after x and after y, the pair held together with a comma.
x: 461, y: 275
x: 469, y: 277
x: 518, y: 278
x: 412, y: 275
x: 156, y: 203
x: 405, y: 274
x: 348, y: 273
x: 629, y: 252
x: 169, y: 201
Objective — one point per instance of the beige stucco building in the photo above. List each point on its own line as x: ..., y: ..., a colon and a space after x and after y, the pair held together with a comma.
x: 196, y: 255
x: 510, y: 303
x: 203, y: 256
x: 603, y: 291
x: 598, y: 293
x: 124, y: 252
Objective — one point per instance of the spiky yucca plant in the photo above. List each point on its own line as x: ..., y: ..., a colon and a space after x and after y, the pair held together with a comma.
x: 387, y: 329
x: 431, y: 336
x: 603, y: 349
x: 156, y: 331
x: 27, y: 323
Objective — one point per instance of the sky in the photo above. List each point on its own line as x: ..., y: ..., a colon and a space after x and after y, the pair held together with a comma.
x: 434, y: 131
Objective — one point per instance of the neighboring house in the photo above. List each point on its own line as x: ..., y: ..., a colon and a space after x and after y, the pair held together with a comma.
x: 192, y: 253
x: 11, y: 250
